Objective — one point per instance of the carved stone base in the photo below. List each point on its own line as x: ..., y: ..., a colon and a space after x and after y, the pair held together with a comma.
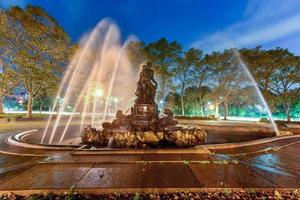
x: 176, y: 137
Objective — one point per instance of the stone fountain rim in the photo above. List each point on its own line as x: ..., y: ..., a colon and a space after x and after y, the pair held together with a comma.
x: 15, y: 139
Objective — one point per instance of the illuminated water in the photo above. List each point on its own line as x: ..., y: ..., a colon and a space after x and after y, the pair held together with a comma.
x: 263, y: 101
x: 89, y: 85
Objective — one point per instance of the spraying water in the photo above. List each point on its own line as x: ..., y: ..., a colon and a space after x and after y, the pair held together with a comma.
x: 265, y: 104
x: 89, y: 82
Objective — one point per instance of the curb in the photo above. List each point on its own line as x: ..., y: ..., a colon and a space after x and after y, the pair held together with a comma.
x: 199, y: 149
x: 248, y: 143
x: 16, y: 140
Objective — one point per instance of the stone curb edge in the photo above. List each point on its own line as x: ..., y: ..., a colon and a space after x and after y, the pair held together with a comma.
x: 248, y: 143
x: 197, y: 149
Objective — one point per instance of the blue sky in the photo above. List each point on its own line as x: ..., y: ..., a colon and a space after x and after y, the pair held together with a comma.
x: 206, y: 24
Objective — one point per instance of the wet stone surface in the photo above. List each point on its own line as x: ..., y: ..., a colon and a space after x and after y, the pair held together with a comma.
x: 140, y: 176
x: 45, y: 176
x: 245, y: 167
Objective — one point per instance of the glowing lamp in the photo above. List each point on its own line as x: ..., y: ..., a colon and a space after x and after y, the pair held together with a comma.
x: 99, y: 93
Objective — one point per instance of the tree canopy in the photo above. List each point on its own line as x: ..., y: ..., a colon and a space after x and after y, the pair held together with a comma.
x: 41, y: 48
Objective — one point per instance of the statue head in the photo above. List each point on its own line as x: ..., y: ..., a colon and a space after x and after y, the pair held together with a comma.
x: 119, y: 114
x: 149, y: 64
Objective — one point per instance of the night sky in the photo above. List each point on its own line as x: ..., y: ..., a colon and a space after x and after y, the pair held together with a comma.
x: 206, y: 24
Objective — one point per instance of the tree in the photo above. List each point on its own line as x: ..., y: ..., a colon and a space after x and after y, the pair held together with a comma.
x: 285, y: 79
x: 42, y: 49
x: 183, y: 68
x: 277, y: 73
x: 195, y: 97
x: 45, y: 98
x: 136, y: 53
x: 173, y: 102
x: 226, y: 78
x: 242, y: 98
x: 164, y: 55
x: 8, y: 75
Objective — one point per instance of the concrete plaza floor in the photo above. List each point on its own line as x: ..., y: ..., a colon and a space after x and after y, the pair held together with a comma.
x: 273, y: 164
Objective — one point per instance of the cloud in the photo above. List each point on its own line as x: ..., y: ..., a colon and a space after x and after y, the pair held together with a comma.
x: 263, y: 22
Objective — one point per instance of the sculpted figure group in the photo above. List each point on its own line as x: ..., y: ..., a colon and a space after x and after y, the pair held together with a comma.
x: 143, y: 119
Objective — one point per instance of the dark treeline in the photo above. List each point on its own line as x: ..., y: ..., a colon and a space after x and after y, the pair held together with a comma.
x: 34, y: 51
x: 198, y: 84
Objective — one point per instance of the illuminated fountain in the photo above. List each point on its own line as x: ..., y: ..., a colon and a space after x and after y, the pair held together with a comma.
x: 143, y: 127
x: 90, y: 85
x: 108, y: 108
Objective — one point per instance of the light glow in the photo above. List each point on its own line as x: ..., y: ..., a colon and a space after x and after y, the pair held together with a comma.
x: 99, y: 93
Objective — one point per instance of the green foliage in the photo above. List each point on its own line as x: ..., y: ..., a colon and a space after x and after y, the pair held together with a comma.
x: 277, y: 72
x: 136, y: 196
x: 164, y: 55
x: 41, y: 48
x: 34, y: 50
x: 183, y: 70
x: 8, y: 74
x: 136, y: 53
x: 264, y: 120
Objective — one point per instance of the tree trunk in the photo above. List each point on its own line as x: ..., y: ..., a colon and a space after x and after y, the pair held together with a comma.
x: 41, y: 107
x: 29, y: 105
x: 288, y: 114
x: 181, y: 98
x: 225, y: 110
x: 216, y: 110
x: 57, y: 108
x: 1, y: 105
x: 182, y: 104
x: 201, y: 107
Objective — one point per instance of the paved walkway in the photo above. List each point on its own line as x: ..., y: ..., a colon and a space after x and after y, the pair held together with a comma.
x: 270, y: 165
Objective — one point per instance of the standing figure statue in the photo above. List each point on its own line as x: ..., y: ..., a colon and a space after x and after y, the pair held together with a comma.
x: 146, y: 86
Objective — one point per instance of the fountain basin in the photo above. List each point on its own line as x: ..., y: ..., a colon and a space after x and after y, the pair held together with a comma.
x: 174, y: 137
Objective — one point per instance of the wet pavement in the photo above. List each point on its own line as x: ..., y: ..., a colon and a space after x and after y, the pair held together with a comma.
x: 270, y: 165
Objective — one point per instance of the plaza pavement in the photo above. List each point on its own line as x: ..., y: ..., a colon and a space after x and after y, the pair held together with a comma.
x: 269, y: 165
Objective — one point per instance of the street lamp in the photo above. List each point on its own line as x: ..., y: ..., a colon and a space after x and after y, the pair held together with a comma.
x: 211, y: 107
x: 98, y: 93
x: 116, y: 100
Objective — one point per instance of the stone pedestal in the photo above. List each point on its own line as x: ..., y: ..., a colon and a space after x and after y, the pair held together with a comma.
x: 144, y: 116
x: 176, y: 137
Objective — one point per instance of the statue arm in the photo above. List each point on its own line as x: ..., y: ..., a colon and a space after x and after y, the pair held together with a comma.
x: 154, y: 82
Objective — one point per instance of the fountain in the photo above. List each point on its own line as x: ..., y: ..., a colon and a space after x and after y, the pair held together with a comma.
x: 143, y: 127
x: 90, y: 83
x: 108, y: 108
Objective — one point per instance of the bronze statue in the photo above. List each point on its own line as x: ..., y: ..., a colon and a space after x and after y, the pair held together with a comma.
x: 144, y: 113
x: 143, y: 127
x: 146, y: 86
